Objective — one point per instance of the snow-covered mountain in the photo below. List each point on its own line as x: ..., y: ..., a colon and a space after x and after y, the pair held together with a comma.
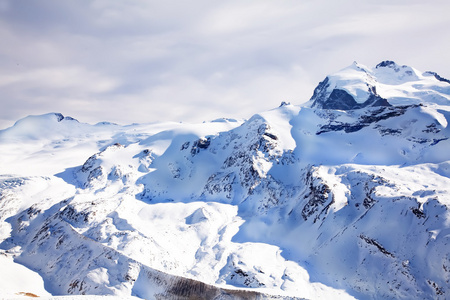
x: 344, y: 197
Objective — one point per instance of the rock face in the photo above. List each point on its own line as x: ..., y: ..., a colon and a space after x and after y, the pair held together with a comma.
x: 341, y: 99
x: 344, y: 197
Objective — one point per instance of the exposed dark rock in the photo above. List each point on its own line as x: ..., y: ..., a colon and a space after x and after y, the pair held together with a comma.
x: 203, y: 144
x: 373, y: 116
x: 220, y: 183
x: 12, y: 183
x: 70, y: 119
x: 388, y: 131
x: 318, y: 195
x: 437, y: 289
x: 418, y: 213
x: 187, y: 289
x: 75, y: 285
x: 71, y: 215
x: 200, y: 144
x: 339, y: 99
x: 96, y: 173
x: 438, y: 77
x: 272, y: 136
x: 320, y: 91
x: 185, y: 146
x: 375, y: 100
x: 386, y: 63
x: 435, y: 141
x: 59, y: 117
x: 89, y: 164
x: 376, y: 244
x: 368, y: 201
x: 432, y: 128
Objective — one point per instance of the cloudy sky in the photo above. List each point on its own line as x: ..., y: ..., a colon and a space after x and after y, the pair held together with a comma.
x: 150, y: 61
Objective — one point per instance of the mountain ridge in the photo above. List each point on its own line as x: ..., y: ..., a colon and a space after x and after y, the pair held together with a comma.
x: 330, y: 199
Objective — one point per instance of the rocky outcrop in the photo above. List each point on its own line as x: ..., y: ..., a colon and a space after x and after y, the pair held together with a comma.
x: 328, y: 97
x: 371, y: 116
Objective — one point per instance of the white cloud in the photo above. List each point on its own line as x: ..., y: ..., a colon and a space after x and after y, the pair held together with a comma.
x: 70, y: 79
x: 139, y: 61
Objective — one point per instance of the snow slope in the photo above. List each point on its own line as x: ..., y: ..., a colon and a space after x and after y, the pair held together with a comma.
x: 16, y: 279
x: 345, y: 197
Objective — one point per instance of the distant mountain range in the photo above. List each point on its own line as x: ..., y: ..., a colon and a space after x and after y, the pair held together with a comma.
x: 346, y: 196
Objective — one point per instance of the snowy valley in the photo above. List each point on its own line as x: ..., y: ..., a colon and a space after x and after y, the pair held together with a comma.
x: 344, y: 197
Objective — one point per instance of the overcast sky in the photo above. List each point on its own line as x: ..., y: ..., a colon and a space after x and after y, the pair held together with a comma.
x: 149, y: 61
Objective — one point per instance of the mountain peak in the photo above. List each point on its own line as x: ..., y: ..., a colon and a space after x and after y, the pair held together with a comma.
x: 389, y: 83
x: 351, y: 88
x: 386, y: 64
x: 49, y: 117
x: 40, y: 126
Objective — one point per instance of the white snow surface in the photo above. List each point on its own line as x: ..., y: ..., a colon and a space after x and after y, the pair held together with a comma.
x: 294, y: 202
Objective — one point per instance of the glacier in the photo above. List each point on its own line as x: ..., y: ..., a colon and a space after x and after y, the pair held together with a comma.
x: 345, y: 196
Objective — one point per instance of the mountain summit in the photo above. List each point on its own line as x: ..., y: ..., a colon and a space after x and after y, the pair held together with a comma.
x: 345, y: 197
x: 387, y: 84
